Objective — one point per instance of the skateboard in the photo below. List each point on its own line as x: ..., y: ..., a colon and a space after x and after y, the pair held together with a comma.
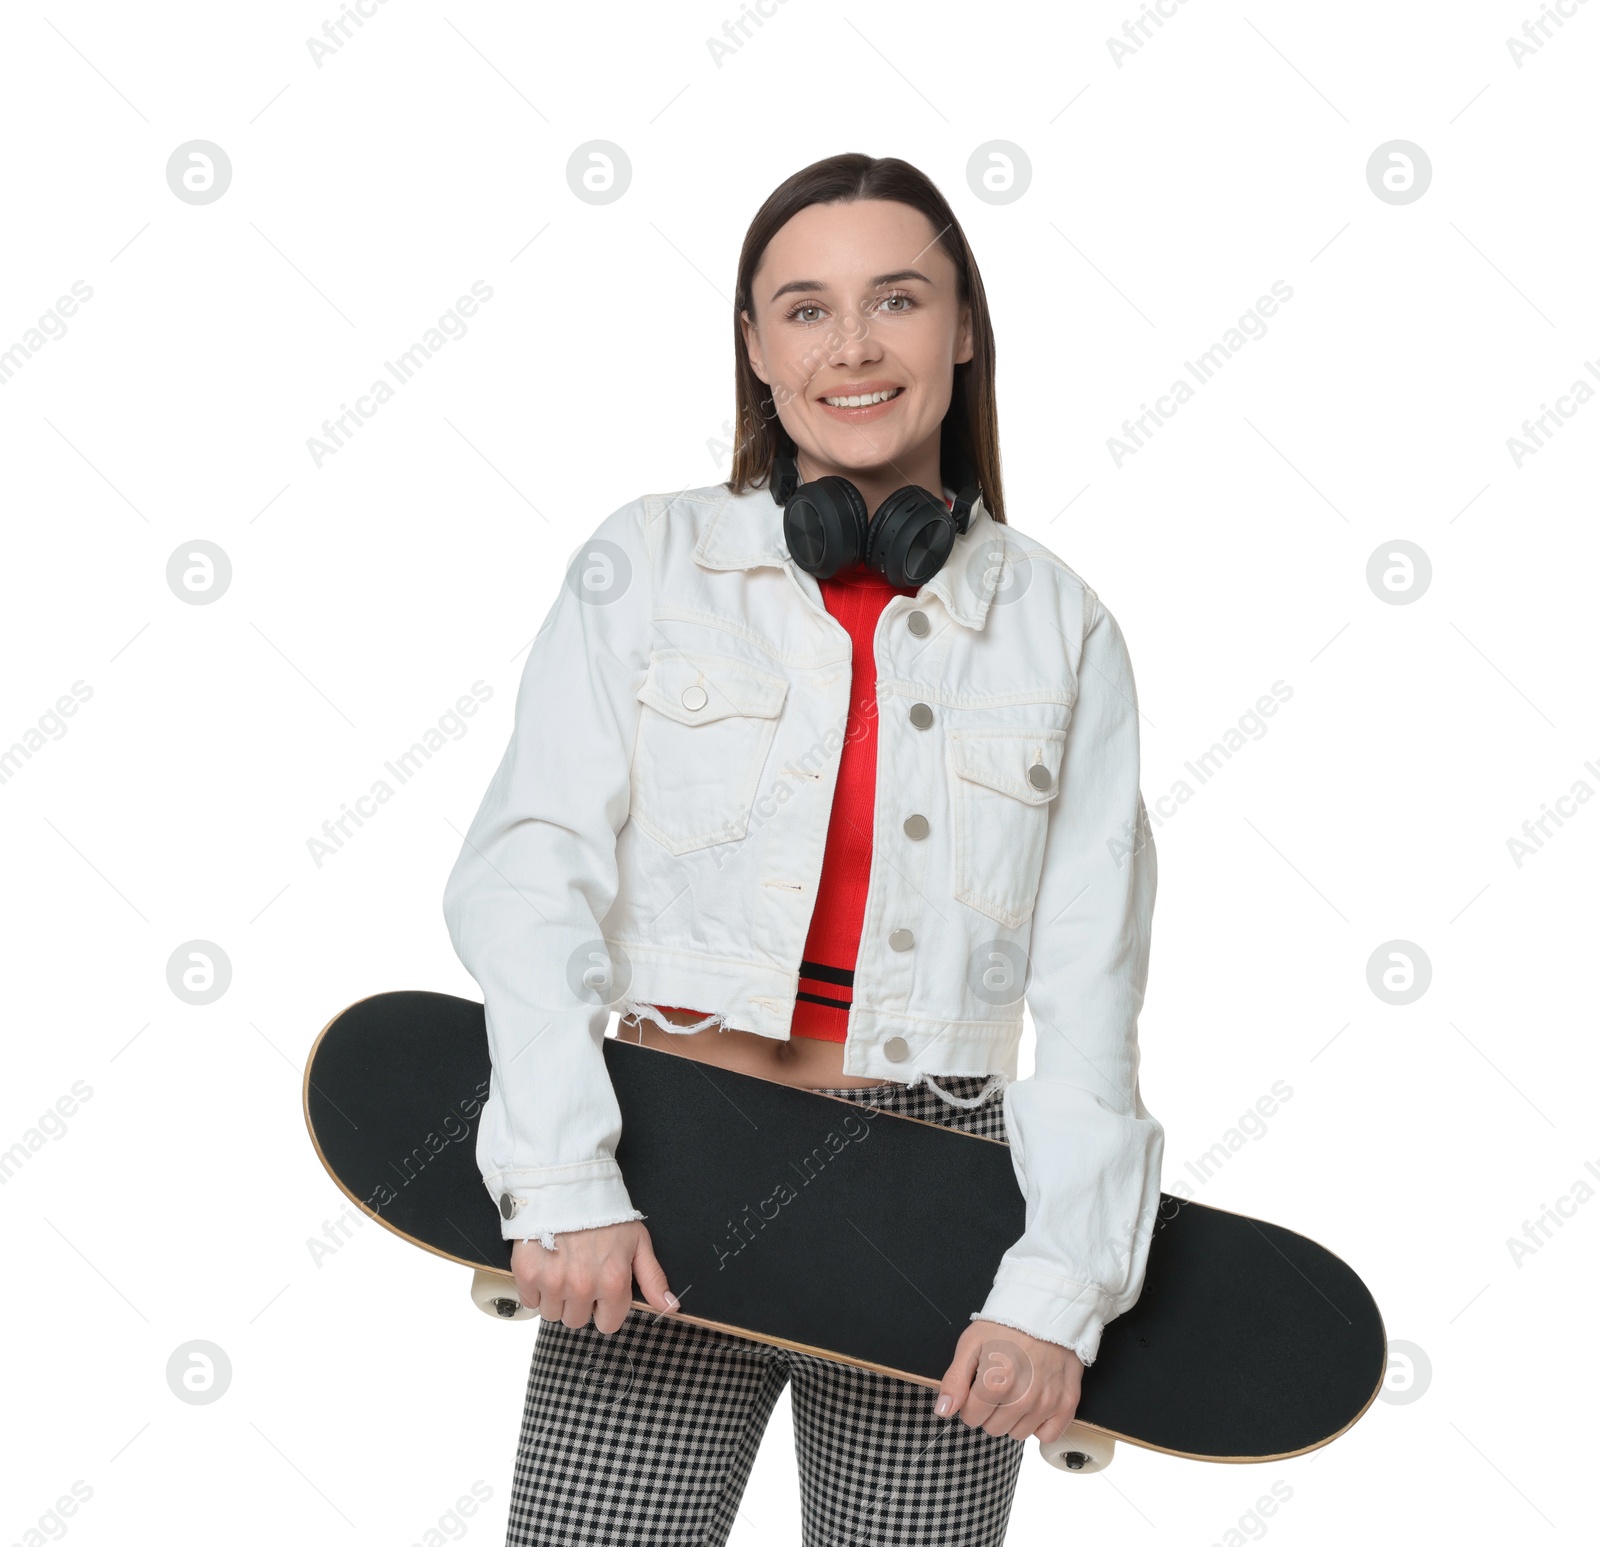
x: 1248, y: 1342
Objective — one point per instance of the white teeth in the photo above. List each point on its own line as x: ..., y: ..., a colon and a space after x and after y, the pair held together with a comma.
x: 861, y: 400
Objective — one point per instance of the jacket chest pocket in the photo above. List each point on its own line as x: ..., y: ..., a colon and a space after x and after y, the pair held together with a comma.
x: 1001, y: 787
x: 704, y: 733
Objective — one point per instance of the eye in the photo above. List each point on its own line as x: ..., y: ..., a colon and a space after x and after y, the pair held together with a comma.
x: 793, y: 314
x: 898, y: 295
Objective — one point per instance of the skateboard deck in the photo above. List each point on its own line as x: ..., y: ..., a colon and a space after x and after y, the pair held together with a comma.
x: 815, y: 1223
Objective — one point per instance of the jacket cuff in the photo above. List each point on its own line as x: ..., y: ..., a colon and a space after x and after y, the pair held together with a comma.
x: 1054, y: 1310
x: 543, y: 1203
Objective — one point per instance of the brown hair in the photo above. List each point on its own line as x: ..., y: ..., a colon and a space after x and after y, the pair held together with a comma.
x: 970, y: 436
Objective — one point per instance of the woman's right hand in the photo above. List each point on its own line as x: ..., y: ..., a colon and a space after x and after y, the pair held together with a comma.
x: 591, y: 1273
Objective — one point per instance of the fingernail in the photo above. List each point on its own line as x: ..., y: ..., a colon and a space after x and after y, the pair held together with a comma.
x: 943, y: 1406
x: 672, y: 1301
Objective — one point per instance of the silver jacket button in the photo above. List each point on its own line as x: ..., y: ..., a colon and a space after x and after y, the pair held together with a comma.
x: 508, y: 1205
x: 694, y: 697
x: 917, y: 622
x: 1039, y: 777
x: 901, y: 940
x: 896, y: 1050
x: 916, y: 826
x: 921, y: 716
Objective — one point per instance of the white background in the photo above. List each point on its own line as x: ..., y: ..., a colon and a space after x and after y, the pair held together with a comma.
x: 368, y: 594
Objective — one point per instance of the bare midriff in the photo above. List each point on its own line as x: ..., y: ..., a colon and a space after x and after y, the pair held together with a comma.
x: 803, y: 1061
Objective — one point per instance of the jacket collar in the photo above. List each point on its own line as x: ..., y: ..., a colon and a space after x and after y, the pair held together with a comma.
x: 746, y: 530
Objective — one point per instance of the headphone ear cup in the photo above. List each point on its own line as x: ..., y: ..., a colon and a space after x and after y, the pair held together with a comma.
x: 825, y: 526
x: 910, y: 537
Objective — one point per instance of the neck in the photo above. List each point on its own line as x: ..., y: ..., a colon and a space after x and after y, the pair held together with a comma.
x: 878, y: 483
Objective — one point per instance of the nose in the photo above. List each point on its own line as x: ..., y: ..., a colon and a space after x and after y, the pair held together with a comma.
x: 854, y: 345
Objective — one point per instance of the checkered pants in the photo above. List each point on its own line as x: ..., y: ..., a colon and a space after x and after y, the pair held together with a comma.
x: 646, y: 1437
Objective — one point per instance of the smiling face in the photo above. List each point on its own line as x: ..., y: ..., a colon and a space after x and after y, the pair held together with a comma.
x: 857, y: 326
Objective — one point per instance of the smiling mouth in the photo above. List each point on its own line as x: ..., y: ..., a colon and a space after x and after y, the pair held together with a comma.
x: 864, y: 399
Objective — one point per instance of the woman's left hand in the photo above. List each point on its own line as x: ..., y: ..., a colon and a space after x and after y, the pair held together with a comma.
x: 1006, y: 1382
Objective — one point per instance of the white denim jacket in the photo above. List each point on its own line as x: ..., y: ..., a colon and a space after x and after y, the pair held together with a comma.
x: 654, y: 835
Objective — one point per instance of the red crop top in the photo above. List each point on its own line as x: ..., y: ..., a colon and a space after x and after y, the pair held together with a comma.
x: 856, y: 596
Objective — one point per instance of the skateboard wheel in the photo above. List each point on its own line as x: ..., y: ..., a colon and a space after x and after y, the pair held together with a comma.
x: 1080, y: 1450
x: 496, y: 1295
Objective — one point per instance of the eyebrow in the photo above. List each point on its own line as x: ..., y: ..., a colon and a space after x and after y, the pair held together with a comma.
x: 881, y: 279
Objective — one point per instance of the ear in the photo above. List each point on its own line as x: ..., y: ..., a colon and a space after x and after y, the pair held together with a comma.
x: 964, y: 336
x: 752, y: 346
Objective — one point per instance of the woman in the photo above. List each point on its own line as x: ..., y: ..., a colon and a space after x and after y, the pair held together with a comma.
x: 818, y: 785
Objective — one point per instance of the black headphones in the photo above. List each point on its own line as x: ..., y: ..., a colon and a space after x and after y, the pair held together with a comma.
x: 826, y: 527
